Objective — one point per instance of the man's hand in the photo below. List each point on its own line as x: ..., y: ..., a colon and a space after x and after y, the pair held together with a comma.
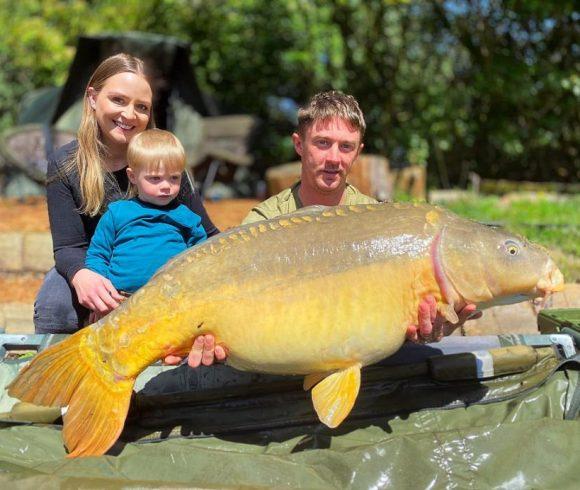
x: 96, y: 292
x: 432, y: 326
x: 203, y: 351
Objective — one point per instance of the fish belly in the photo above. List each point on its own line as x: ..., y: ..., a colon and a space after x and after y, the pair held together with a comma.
x: 316, y: 325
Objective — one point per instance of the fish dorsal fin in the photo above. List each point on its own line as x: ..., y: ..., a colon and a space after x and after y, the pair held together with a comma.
x: 308, y: 210
x: 334, y: 396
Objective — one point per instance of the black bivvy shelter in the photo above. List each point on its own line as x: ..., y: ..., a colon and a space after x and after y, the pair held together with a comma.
x: 174, y: 83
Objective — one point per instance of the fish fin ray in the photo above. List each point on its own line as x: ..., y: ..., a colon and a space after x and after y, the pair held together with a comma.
x: 95, y: 435
x: 334, y: 396
x: 30, y: 384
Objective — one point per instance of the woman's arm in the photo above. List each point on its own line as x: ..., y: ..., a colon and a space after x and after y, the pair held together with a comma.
x: 203, y: 351
x: 70, y: 238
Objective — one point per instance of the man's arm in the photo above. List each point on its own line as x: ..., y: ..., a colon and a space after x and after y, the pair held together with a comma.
x: 274, y: 206
x: 432, y: 326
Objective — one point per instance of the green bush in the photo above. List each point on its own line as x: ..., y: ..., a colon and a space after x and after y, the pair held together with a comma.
x: 489, y: 86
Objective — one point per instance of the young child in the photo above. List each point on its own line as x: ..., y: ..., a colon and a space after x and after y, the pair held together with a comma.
x: 136, y: 237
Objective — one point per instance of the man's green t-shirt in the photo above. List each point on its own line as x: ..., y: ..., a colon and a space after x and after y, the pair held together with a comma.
x: 288, y: 201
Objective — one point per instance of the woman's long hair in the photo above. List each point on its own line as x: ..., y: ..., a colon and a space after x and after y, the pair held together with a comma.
x: 90, y: 158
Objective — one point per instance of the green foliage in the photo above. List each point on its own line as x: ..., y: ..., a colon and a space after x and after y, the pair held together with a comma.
x: 37, y: 45
x: 488, y: 86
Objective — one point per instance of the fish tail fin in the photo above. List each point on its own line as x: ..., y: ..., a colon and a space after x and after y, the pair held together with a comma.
x: 334, y: 396
x: 98, y: 402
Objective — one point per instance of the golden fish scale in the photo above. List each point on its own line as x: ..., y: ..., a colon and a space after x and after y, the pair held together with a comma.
x: 316, y: 280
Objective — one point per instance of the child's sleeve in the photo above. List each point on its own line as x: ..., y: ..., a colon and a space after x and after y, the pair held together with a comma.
x: 101, y: 247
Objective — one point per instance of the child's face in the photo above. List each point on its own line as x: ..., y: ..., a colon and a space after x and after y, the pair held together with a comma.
x: 156, y: 187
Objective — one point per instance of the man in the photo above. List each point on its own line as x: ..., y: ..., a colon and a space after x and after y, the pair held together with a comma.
x: 328, y: 140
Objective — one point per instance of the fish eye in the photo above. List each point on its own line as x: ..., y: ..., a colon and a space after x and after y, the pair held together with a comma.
x: 512, y: 248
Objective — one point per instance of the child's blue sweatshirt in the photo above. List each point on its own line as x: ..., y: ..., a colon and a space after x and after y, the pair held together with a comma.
x: 134, y: 238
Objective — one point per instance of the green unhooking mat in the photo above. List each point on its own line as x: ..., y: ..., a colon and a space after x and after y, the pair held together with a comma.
x: 505, y: 417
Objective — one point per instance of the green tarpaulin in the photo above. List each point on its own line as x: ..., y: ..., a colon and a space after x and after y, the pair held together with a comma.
x: 408, y: 430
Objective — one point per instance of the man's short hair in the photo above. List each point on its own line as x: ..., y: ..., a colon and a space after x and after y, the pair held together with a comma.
x: 327, y: 105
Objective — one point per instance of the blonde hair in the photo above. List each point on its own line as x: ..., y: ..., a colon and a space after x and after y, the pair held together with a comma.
x: 153, y: 149
x: 156, y: 148
x: 90, y: 158
x: 327, y: 105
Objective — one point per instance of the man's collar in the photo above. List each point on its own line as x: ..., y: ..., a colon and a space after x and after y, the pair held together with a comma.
x: 295, y: 190
x: 296, y: 193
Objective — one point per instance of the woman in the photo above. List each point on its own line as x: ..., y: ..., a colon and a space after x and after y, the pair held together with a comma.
x: 83, y: 178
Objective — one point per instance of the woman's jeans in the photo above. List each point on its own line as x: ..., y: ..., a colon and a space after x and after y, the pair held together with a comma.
x: 56, y: 309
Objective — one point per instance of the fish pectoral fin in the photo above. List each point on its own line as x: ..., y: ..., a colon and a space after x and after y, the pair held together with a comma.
x: 334, y: 396
x: 313, y: 379
x: 449, y: 313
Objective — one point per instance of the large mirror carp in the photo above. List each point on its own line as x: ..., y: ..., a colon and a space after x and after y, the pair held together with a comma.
x: 320, y: 293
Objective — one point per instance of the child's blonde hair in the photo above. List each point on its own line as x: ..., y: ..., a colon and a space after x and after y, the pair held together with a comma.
x: 156, y: 148
x: 153, y: 149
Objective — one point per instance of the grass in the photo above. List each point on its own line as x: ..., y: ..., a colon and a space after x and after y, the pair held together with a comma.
x: 552, y: 223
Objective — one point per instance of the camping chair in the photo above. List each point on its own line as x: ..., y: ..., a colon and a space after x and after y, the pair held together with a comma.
x: 224, y: 148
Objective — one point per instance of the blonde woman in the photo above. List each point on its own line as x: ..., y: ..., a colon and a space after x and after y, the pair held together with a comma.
x: 83, y: 178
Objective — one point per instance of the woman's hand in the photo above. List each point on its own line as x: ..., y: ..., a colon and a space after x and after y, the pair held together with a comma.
x: 95, y: 292
x: 203, y: 351
x: 432, y: 326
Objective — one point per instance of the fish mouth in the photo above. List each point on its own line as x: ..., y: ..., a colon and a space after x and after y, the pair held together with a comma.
x: 552, y: 282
